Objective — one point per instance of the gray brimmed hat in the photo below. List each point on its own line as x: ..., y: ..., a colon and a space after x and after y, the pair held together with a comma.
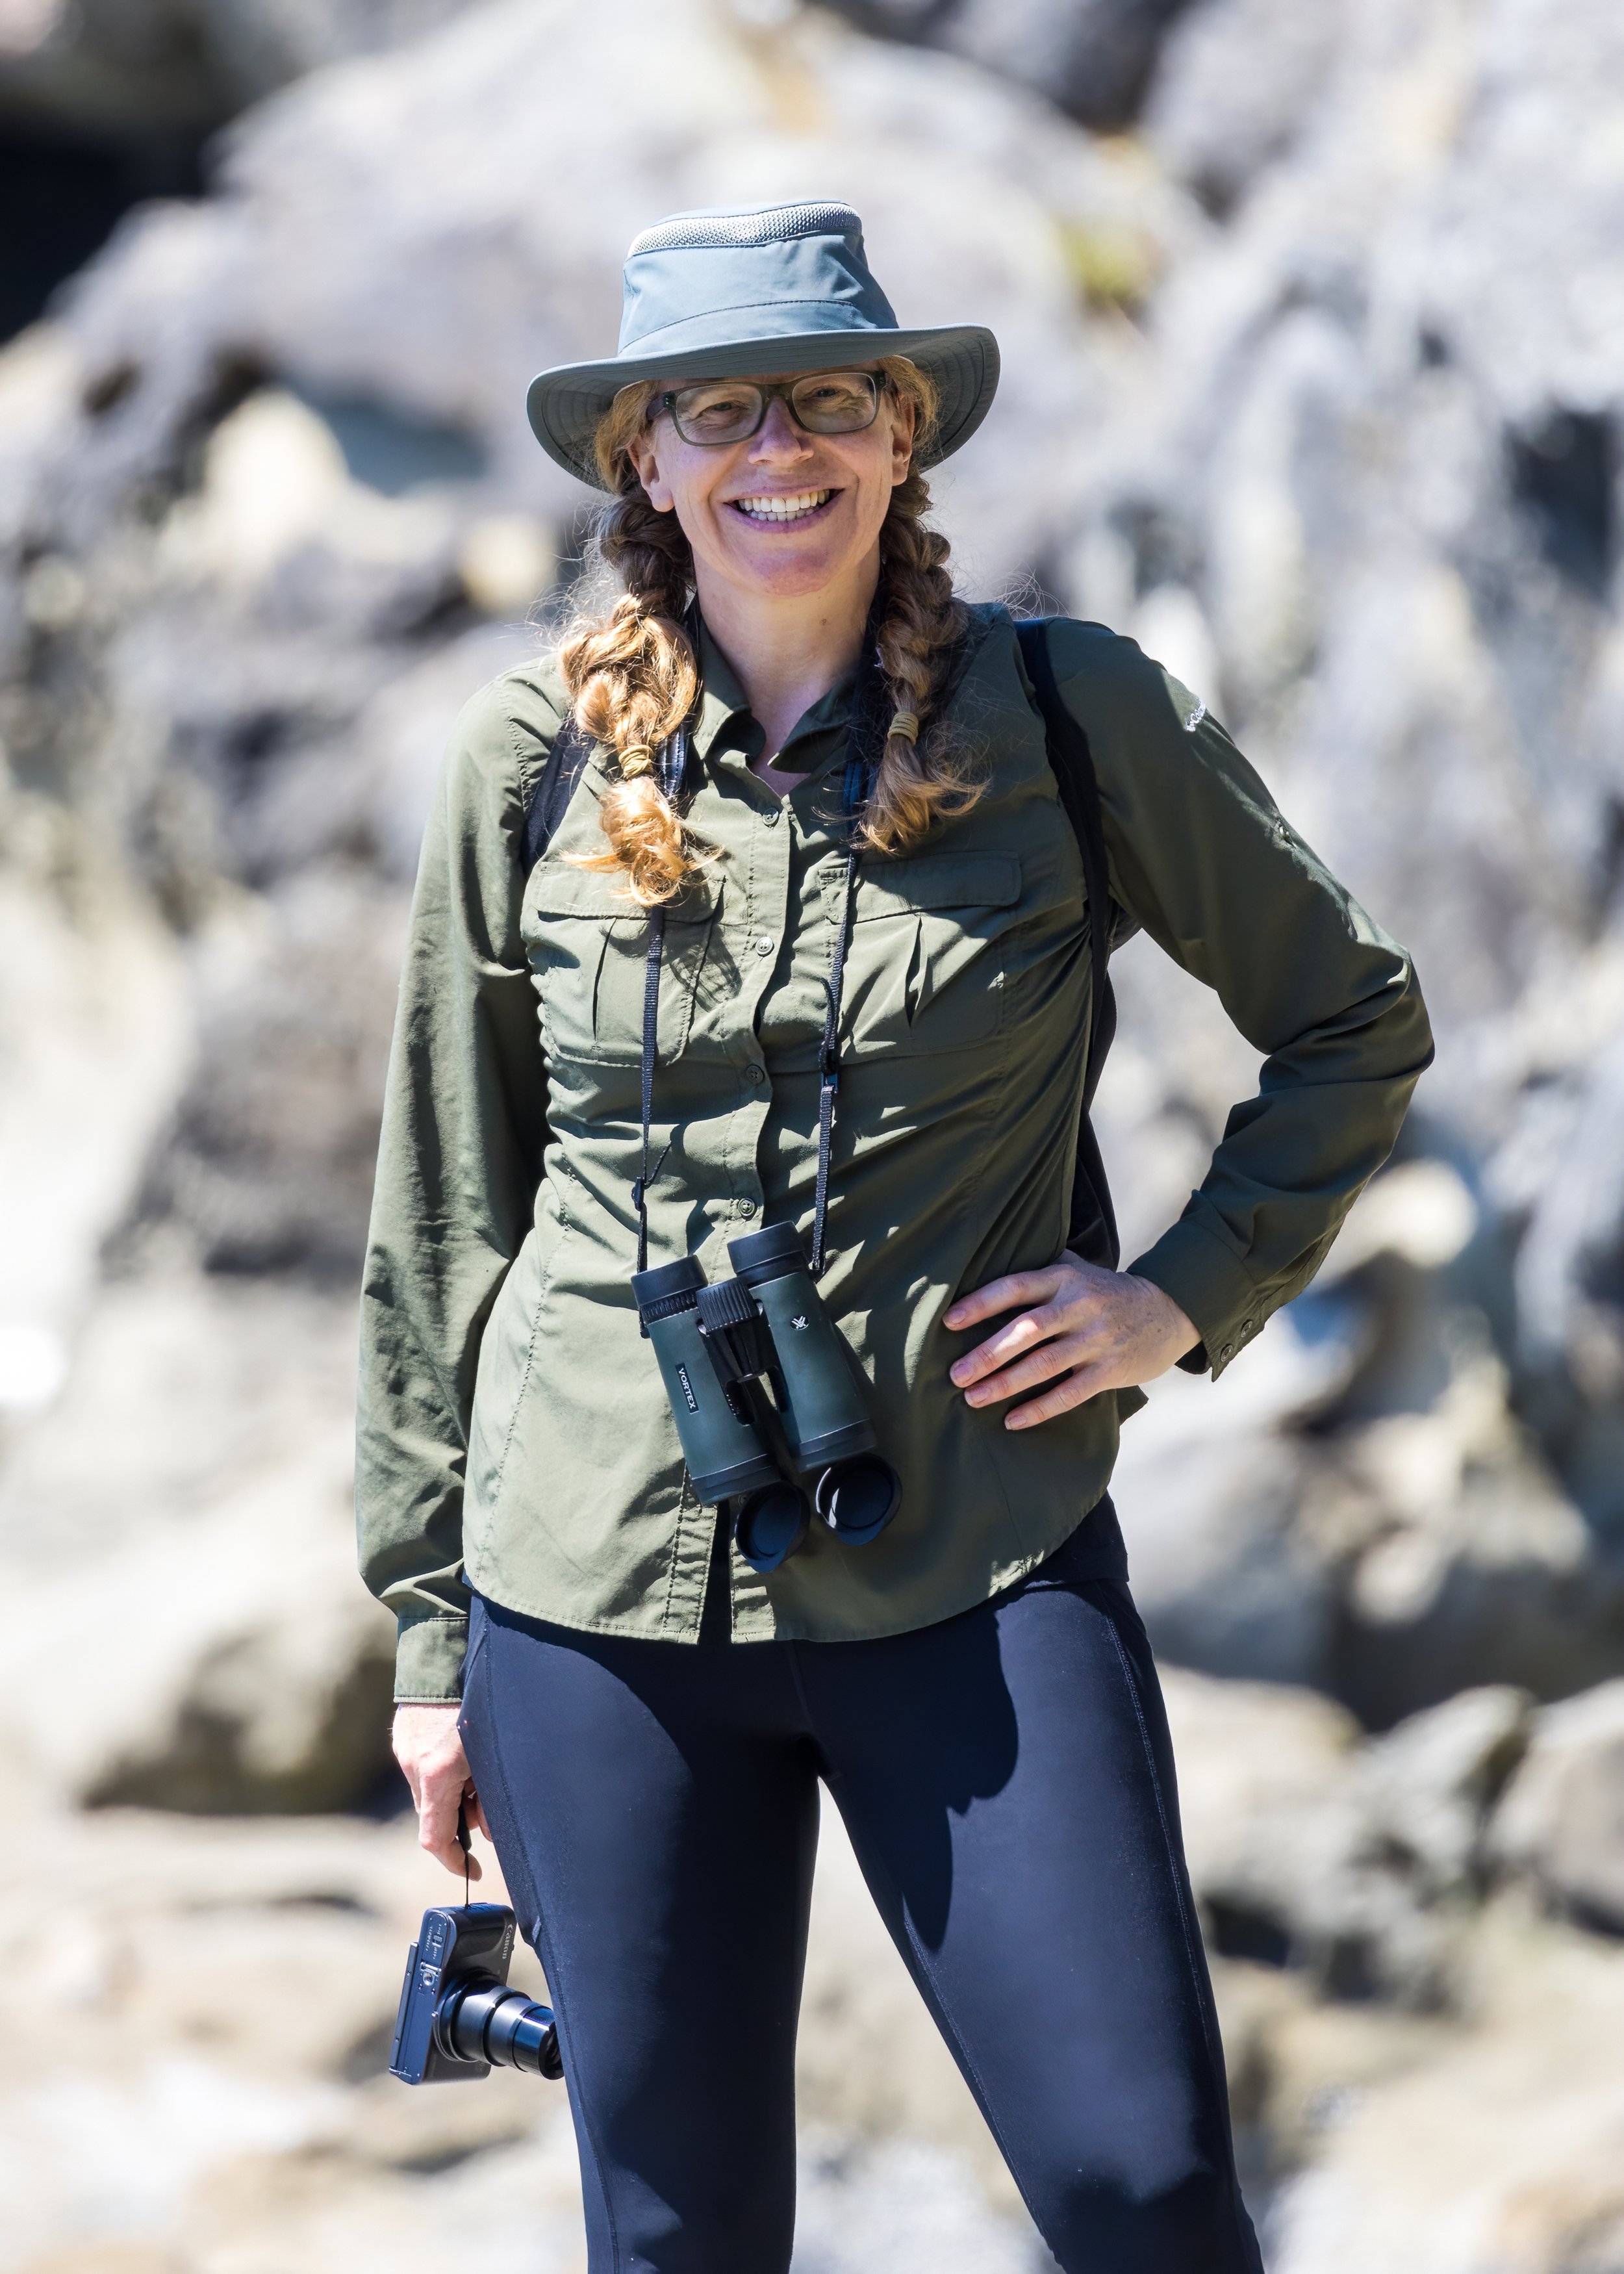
x: 761, y: 290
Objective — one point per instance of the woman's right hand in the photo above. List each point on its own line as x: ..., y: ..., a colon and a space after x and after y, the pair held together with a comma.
x: 428, y: 1745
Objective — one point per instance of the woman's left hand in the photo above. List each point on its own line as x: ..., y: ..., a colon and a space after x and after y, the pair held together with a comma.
x: 1098, y: 1329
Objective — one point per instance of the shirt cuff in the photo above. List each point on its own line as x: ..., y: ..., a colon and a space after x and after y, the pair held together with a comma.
x: 428, y: 1662
x: 1211, y: 1286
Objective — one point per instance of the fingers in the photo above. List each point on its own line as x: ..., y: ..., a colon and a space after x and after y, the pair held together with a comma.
x: 1086, y: 1381
x: 429, y: 1748
x: 1054, y: 1357
x: 437, y: 1824
x: 1008, y: 1341
x: 1006, y: 1294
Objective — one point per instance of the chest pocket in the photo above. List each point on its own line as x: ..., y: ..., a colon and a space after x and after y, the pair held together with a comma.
x: 588, y: 947
x: 924, y: 969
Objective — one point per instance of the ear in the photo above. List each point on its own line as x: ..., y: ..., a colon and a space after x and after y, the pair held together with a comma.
x: 644, y: 455
x: 901, y: 440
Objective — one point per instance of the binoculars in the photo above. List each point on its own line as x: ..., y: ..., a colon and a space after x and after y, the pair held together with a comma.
x: 808, y: 1449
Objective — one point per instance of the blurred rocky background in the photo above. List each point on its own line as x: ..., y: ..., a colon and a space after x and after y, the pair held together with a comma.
x: 1314, y: 324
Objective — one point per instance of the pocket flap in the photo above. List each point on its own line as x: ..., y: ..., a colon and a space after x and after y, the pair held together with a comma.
x: 561, y: 889
x: 944, y: 880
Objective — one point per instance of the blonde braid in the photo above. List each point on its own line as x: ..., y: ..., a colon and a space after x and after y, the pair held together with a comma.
x: 634, y: 675
x: 921, y: 622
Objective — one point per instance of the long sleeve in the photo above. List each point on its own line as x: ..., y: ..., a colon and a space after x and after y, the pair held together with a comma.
x: 1202, y: 857
x: 464, y: 1125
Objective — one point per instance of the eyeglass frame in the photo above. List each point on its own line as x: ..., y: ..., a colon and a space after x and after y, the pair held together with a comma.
x: 770, y: 390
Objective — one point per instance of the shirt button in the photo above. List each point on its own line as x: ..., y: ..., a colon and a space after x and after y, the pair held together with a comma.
x: 1228, y: 1350
x: 765, y: 945
x: 1245, y: 1326
x: 755, y: 1073
x: 773, y: 818
x: 746, y: 1207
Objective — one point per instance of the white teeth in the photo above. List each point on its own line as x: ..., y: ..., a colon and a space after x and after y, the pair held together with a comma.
x: 783, y: 508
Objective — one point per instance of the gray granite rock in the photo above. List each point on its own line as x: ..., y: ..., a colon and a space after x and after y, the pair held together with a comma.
x: 1093, y: 58
x: 1562, y: 1821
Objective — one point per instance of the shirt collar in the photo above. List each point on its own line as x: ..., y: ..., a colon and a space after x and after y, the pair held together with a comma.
x: 726, y: 720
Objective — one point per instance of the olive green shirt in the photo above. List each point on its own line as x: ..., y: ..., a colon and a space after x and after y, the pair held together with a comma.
x: 514, y: 1434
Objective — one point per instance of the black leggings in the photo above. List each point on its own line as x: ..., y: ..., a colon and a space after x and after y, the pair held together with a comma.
x: 1006, y: 1780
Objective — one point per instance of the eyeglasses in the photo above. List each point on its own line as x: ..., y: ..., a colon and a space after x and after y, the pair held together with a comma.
x: 715, y: 411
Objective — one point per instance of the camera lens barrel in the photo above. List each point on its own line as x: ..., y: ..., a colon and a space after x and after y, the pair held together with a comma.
x: 492, y: 2022
x: 724, y: 1450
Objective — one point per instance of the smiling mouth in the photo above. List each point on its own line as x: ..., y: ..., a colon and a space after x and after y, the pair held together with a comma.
x: 775, y: 512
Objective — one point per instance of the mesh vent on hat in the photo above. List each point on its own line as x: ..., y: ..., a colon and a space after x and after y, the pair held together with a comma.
x: 769, y: 225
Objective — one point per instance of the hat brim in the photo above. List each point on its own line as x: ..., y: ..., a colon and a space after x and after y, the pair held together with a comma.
x: 564, y: 404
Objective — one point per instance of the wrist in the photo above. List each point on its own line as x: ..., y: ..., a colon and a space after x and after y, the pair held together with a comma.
x: 1176, y: 1330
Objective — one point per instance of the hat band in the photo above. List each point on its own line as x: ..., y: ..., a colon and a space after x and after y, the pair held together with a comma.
x: 716, y: 328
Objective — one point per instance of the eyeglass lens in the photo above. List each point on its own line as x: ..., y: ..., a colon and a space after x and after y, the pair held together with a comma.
x: 718, y: 410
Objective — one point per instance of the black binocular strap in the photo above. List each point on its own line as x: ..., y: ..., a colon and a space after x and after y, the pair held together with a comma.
x: 650, y: 1044
x: 855, y: 796
x: 856, y: 791
x: 673, y: 766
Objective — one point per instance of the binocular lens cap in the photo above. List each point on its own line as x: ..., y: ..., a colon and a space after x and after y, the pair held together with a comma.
x: 858, y: 1498
x: 770, y: 1526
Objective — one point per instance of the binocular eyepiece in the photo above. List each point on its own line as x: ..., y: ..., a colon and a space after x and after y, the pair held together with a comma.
x: 810, y: 1446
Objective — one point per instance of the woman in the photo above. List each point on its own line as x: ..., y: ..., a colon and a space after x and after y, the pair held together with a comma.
x: 644, y: 1717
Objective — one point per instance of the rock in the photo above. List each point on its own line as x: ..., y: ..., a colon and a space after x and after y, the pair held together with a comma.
x: 197, y: 1637
x: 1562, y: 1820
x: 1093, y: 57
x: 201, y: 2014
x: 1354, y: 1862
x: 1557, y: 1178
x: 1431, y: 1783
x: 1278, y: 1837
x: 1476, y: 1566
x: 268, y: 1162
x: 94, y: 1040
x: 1225, y: 1579
x: 1359, y: 1508
x: 1296, y: 2066
x: 1235, y: 87
x: 149, y: 68
x: 1504, y: 2149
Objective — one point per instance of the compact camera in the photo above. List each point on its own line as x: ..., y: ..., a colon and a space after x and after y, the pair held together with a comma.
x: 459, y: 2015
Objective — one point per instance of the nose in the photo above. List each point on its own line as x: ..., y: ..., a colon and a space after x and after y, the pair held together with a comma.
x: 778, y: 440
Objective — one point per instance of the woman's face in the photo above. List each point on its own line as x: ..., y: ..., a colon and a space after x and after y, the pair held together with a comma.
x: 786, y: 513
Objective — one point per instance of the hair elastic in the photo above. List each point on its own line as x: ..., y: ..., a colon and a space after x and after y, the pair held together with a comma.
x: 638, y: 750
x: 906, y: 724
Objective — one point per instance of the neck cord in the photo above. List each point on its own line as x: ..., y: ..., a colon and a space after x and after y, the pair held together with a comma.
x: 672, y: 766
x: 853, y: 798
x: 855, y: 795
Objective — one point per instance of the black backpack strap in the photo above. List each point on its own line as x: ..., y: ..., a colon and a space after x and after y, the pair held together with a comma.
x: 1093, y: 1232
x: 554, y: 786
